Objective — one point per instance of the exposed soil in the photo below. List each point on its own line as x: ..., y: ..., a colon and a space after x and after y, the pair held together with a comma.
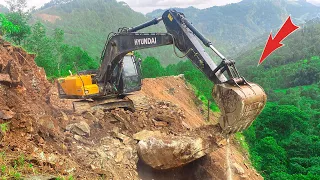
x: 47, y: 17
x: 98, y: 144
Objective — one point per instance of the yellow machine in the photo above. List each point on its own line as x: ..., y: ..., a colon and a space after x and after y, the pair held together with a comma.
x: 79, y: 85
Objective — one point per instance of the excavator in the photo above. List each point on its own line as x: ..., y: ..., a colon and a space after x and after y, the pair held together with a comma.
x: 119, y: 75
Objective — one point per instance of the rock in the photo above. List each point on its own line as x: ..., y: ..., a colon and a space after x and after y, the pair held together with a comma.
x: 160, y: 123
x: 13, y: 71
x: 237, y: 169
x: 180, y: 76
x: 184, y: 124
x: 89, y: 116
x: 1, y: 135
x: 222, y: 142
x: 45, y: 157
x: 82, y: 128
x: 125, y: 139
x: 82, y: 140
x: 145, y: 134
x: 99, y: 114
x: 40, y: 177
x: 168, y: 152
x: 64, y: 116
x: 5, y: 78
x: 6, y: 114
x: 119, y: 156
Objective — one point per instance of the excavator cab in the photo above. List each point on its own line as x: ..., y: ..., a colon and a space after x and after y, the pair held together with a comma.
x: 131, y: 74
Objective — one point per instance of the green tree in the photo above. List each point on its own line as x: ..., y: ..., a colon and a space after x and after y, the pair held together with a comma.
x: 17, y: 5
x: 152, y: 68
x: 19, y: 17
x: 273, y: 156
x: 7, y: 26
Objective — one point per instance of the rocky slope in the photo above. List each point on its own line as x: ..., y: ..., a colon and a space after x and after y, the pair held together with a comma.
x: 46, y: 139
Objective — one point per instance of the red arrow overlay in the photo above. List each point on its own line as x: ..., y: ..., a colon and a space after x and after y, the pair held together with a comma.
x: 275, y: 43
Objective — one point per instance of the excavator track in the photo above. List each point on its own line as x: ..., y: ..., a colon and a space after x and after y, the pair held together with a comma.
x: 104, y: 104
x: 140, y: 102
x: 131, y: 102
x: 239, y: 105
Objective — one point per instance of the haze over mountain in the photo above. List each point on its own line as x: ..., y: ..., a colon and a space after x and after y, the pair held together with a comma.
x: 3, y: 9
x: 238, y: 24
x: 231, y: 27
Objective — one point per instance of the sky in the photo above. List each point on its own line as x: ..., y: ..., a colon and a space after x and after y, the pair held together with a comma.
x: 145, y: 6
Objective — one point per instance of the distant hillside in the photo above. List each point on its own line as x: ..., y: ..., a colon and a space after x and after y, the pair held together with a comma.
x: 3, y: 9
x: 286, y: 60
x: 240, y: 23
x: 231, y: 28
x: 87, y: 24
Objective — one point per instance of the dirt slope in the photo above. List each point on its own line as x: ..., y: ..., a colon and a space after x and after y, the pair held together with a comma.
x: 177, y: 91
x: 97, y: 144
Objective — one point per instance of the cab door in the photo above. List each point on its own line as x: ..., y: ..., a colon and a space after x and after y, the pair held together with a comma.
x: 131, y: 74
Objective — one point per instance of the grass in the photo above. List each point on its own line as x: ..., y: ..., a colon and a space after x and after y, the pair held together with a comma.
x: 13, y: 167
x: 17, y: 167
x: 4, y: 127
x: 284, y: 91
x: 239, y: 137
x: 204, y: 100
x: 70, y: 177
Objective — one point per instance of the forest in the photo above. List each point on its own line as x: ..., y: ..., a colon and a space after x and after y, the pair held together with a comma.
x: 284, y: 141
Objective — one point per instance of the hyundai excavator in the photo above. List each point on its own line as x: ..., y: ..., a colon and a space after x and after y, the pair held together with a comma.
x: 239, y: 101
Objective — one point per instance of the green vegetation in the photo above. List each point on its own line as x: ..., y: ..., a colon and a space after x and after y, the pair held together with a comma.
x: 4, y: 127
x: 240, y: 138
x: 284, y: 141
x: 7, y: 26
x: 14, y: 167
x: 234, y: 26
x: 52, y: 54
x: 70, y: 177
x: 87, y: 23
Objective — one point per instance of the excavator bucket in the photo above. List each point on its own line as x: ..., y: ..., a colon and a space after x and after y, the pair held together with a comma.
x: 239, y: 105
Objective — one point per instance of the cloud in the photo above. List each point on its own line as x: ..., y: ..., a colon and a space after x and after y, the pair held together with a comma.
x: 148, y: 5
x: 31, y: 3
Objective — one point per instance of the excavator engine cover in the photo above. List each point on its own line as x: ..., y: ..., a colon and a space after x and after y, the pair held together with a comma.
x: 239, y: 105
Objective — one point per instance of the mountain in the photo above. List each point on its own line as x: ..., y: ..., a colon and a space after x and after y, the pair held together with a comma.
x: 240, y: 23
x: 231, y: 28
x: 87, y: 23
x: 3, y: 9
x: 308, y: 37
x: 290, y: 121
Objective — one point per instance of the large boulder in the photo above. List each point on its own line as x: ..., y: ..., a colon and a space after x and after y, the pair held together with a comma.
x: 166, y: 152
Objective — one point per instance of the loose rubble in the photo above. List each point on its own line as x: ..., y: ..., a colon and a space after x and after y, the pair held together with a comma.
x: 115, y: 144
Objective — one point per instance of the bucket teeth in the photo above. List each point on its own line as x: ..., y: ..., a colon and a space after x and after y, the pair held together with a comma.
x: 239, y: 106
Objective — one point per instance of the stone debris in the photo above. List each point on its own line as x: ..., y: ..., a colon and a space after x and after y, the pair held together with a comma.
x: 81, y: 129
x: 168, y: 152
x: 237, y: 169
x: 6, y: 114
x: 145, y: 134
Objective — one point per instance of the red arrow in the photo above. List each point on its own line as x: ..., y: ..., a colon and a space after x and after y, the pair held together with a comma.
x: 275, y: 43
